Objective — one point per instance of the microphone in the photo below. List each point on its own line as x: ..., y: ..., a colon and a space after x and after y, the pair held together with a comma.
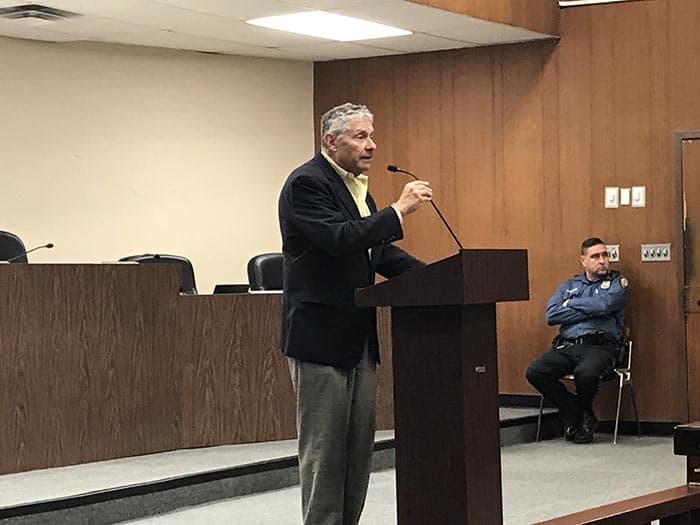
x: 396, y: 169
x: 25, y: 252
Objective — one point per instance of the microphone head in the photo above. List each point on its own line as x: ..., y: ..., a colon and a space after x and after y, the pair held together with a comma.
x: 50, y: 245
x: 393, y: 168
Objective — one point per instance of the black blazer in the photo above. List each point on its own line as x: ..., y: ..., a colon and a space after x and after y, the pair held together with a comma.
x: 326, y: 247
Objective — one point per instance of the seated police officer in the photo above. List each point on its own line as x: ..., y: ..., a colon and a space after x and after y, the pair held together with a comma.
x: 590, y: 309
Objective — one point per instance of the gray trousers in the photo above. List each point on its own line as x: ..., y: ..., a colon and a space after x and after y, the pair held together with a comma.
x: 335, y: 424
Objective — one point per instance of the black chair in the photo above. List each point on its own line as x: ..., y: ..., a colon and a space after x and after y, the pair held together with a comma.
x: 265, y: 272
x: 622, y: 372
x: 12, y: 246
x: 187, y: 285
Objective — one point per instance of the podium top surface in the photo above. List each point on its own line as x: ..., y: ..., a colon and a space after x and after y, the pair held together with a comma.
x: 477, y: 276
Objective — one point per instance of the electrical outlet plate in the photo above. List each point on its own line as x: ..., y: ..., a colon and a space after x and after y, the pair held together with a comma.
x: 639, y: 196
x: 613, y: 252
x: 656, y: 252
x: 625, y: 196
x: 612, y: 197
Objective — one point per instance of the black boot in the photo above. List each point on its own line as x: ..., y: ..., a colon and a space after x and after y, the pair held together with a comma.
x: 569, y: 432
x: 584, y: 433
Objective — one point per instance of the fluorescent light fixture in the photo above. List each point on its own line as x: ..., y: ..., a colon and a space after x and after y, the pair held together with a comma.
x: 328, y: 25
x: 574, y: 3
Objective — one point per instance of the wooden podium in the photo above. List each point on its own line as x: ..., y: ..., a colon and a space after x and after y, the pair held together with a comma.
x: 448, y: 464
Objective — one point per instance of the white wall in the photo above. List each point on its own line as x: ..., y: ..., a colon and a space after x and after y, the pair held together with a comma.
x: 109, y: 151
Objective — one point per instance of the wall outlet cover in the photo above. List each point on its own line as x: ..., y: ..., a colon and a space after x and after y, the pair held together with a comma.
x: 625, y: 196
x: 639, y: 196
x: 612, y: 197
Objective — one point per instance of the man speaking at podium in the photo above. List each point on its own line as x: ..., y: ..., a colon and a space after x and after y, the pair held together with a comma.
x: 334, y: 240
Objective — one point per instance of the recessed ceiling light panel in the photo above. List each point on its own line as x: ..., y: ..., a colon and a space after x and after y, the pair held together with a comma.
x: 328, y: 25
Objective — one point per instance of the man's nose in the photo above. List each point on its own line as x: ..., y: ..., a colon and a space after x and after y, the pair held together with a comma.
x: 371, y: 144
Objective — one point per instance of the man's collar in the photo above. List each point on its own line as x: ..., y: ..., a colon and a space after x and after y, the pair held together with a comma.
x: 339, y: 169
x: 607, y: 277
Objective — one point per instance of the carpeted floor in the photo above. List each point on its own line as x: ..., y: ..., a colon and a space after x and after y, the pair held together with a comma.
x: 540, y: 481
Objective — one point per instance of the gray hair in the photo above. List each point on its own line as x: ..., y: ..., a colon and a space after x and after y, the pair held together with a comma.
x: 336, y: 120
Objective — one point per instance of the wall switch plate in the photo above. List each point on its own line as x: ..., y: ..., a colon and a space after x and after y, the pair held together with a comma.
x: 612, y: 197
x: 625, y: 196
x: 656, y: 252
x: 613, y: 252
x: 639, y: 196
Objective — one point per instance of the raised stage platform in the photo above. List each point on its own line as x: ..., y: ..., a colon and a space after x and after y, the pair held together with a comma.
x: 117, y: 490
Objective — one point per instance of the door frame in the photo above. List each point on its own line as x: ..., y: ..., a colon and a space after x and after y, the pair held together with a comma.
x: 678, y: 139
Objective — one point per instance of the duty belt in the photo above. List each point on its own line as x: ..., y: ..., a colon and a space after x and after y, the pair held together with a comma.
x: 590, y: 339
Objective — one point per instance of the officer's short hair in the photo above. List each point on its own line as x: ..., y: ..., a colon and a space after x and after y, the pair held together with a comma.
x: 337, y: 120
x: 591, y: 241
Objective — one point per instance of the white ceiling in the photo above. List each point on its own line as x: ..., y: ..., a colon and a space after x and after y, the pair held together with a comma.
x: 218, y: 26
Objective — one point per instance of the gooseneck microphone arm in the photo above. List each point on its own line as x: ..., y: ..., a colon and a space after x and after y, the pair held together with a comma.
x: 25, y: 252
x: 396, y: 169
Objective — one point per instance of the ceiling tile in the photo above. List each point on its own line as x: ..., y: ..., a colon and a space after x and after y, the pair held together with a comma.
x: 418, y: 42
x: 235, y: 9
x: 32, y: 33
x: 100, y: 28
x: 483, y: 32
x: 407, y: 15
x: 171, y: 40
x: 238, y: 31
x: 338, y: 51
x: 331, y: 4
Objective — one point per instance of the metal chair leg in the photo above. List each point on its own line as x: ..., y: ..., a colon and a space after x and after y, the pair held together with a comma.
x: 539, y: 418
x: 619, y: 400
x: 634, y: 406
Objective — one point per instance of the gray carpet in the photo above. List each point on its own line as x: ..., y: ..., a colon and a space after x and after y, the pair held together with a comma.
x: 540, y: 481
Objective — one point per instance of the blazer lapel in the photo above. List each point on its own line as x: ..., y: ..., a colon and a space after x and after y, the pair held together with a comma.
x: 339, y: 187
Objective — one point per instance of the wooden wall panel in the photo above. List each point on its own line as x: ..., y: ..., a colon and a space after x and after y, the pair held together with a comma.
x: 237, y: 388
x: 73, y: 371
x: 519, y: 142
x: 107, y: 361
x: 538, y: 15
x: 385, y: 376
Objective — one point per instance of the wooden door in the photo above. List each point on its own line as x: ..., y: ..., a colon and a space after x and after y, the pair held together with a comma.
x: 691, y: 249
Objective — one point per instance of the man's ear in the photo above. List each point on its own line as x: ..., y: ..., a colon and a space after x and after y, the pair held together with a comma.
x: 329, y: 141
x: 582, y: 263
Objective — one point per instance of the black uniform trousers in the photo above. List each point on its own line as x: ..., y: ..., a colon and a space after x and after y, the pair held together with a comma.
x: 588, y: 363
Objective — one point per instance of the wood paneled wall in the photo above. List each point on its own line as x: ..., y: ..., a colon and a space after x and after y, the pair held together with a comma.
x: 538, y: 15
x: 519, y: 141
x: 108, y: 361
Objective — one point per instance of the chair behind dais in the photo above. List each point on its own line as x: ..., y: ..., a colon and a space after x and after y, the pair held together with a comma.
x: 265, y: 272
x: 11, y: 246
x: 187, y: 283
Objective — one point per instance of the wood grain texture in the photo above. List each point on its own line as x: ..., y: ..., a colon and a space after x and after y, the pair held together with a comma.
x: 443, y: 322
x: 691, y: 193
x: 445, y: 406
x: 538, y: 15
x: 84, y: 376
x: 385, y: 375
x: 677, y: 505
x: 108, y: 361
x: 518, y: 143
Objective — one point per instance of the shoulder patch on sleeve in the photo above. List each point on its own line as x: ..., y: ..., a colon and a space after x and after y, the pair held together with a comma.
x: 624, y: 282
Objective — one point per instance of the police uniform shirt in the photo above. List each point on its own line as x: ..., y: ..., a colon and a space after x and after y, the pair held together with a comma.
x: 591, y: 306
